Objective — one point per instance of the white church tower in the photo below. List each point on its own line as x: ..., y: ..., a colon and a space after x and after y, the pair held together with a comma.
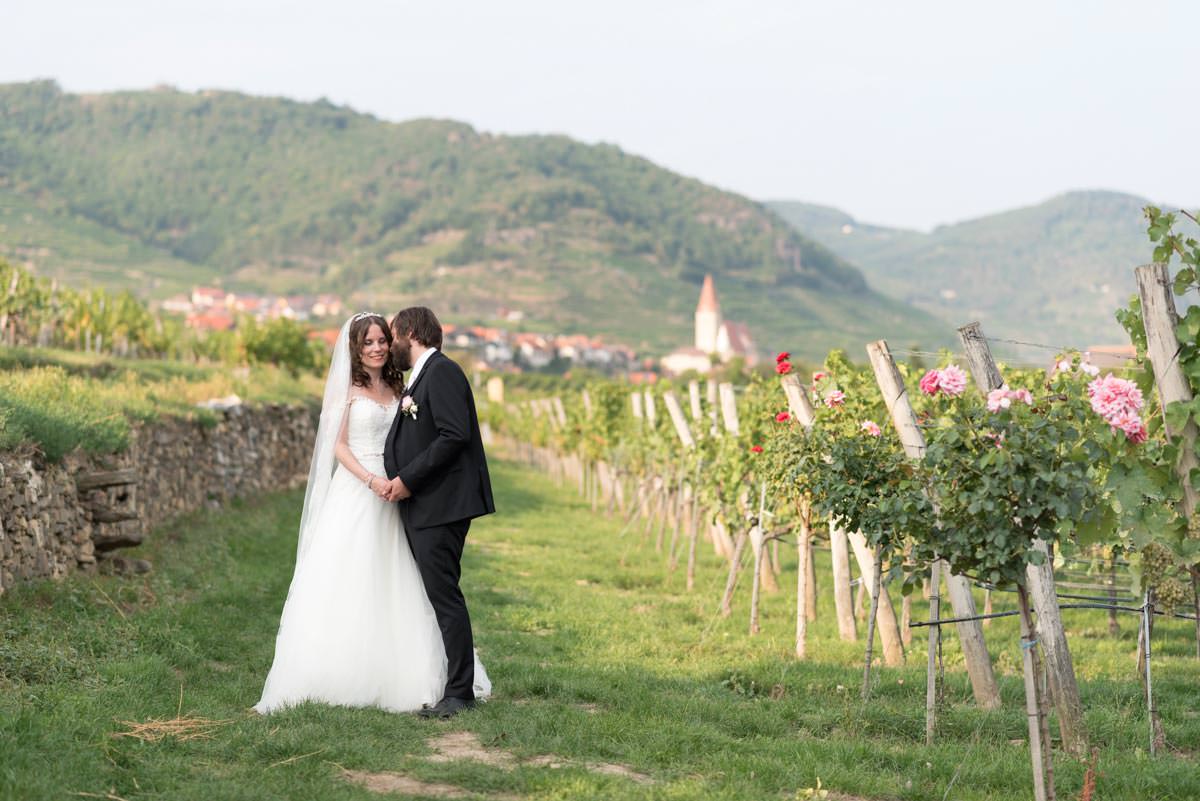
x: 708, y: 318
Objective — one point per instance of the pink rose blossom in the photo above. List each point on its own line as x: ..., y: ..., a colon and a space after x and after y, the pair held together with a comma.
x: 1063, y: 366
x: 871, y: 427
x: 950, y: 380
x: 1112, y: 397
x: 1003, y: 397
x: 998, y: 399
x: 929, y: 382
x: 1089, y: 368
x: 406, y: 402
x: 835, y: 398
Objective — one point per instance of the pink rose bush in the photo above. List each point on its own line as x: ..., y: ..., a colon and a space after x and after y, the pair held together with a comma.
x: 1003, y: 398
x: 871, y: 427
x: 1119, y: 402
x: 950, y: 381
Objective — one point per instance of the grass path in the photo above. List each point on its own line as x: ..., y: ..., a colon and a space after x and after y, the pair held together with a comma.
x: 612, y: 682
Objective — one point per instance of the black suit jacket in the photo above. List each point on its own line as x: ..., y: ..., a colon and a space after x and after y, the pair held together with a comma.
x: 439, y: 456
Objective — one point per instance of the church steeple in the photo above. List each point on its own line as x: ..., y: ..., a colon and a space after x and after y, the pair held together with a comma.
x: 708, y: 297
x: 708, y: 318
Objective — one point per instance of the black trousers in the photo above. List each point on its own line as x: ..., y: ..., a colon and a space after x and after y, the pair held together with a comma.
x: 438, y: 553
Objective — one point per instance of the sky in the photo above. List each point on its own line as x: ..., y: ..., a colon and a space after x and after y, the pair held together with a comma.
x: 908, y: 113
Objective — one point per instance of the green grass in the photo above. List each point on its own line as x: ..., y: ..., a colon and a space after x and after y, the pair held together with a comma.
x: 598, y: 655
x: 62, y: 400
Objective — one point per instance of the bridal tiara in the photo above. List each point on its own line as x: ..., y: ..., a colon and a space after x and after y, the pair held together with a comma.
x: 361, y: 315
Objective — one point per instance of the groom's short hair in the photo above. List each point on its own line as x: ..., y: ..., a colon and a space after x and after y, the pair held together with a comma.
x: 419, y: 323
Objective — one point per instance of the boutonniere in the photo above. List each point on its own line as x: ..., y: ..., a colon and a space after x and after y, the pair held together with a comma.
x: 408, y: 408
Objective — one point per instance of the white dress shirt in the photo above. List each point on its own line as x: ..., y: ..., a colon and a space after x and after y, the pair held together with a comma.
x: 416, y: 369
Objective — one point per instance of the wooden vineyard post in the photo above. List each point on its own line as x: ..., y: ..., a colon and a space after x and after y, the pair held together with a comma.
x: 801, y: 409
x: 677, y: 418
x: 694, y: 527
x: 970, y: 632
x: 560, y: 411
x: 650, y: 409
x: 729, y: 408
x: 710, y: 390
x: 1039, y: 578
x: 802, y: 579
x: 636, y: 400
x: 694, y: 401
x: 587, y: 404
x: 689, y: 444
x: 1162, y: 346
x: 1042, y: 790
x: 931, y: 686
x: 884, y: 612
x: 758, y: 546
x: 843, y: 597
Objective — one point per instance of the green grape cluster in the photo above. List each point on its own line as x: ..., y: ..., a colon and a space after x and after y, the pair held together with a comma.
x: 1172, y: 593
x: 1161, y: 572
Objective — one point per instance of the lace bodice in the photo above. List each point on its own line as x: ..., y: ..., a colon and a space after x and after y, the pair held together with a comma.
x: 368, y: 425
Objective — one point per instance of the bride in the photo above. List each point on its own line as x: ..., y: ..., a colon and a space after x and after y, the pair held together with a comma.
x: 357, y: 627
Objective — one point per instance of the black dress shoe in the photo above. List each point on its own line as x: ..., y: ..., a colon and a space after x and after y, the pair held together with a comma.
x: 447, y: 708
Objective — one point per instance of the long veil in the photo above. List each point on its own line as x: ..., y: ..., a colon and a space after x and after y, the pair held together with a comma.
x: 333, y: 407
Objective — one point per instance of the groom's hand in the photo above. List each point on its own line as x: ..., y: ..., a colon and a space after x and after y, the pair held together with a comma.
x: 396, y: 491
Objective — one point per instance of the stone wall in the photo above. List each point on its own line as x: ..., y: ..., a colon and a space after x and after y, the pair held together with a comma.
x: 59, y: 518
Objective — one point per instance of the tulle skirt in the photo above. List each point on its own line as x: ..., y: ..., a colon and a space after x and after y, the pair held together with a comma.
x: 357, y: 628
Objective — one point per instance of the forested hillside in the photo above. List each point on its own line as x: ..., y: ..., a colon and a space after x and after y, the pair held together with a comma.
x: 160, y: 189
x: 1057, y: 270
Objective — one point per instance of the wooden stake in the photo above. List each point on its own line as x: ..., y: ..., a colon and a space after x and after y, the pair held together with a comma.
x: 756, y: 543
x: 882, y: 611
x: 1033, y: 711
x: 729, y: 408
x: 1162, y: 346
x: 694, y: 401
x: 970, y: 632
x: 803, y: 551
x: 694, y: 528
x: 731, y: 581
x: 843, y: 599
x: 1039, y: 579
x: 935, y: 643
x: 677, y: 418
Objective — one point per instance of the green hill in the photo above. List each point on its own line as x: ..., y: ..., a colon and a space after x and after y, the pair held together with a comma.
x: 1054, y: 272
x: 160, y: 189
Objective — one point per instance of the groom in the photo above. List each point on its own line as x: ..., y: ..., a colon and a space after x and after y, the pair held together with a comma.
x: 438, y: 473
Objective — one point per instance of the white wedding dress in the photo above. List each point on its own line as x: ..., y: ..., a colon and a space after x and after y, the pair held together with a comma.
x: 357, y: 628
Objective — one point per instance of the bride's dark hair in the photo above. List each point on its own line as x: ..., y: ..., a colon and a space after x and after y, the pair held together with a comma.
x: 358, y: 374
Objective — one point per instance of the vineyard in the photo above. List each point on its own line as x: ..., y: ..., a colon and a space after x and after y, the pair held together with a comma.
x: 1061, y: 488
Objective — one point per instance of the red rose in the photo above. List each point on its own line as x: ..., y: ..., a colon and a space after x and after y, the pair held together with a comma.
x: 783, y: 368
x: 756, y: 449
x: 782, y: 357
x: 782, y: 417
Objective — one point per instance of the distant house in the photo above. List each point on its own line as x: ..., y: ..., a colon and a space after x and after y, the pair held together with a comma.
x: 208, y: 297
x: 715, y: 338
x: 178, y: 304
x: 215, y: 320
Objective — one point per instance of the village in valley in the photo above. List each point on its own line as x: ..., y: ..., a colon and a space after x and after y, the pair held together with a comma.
x: 716, y: 340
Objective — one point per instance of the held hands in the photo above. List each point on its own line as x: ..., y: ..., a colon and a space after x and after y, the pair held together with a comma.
x: 394, y: 490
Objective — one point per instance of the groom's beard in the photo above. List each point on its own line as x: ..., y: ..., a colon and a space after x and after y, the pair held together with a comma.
x: 402, y: 355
